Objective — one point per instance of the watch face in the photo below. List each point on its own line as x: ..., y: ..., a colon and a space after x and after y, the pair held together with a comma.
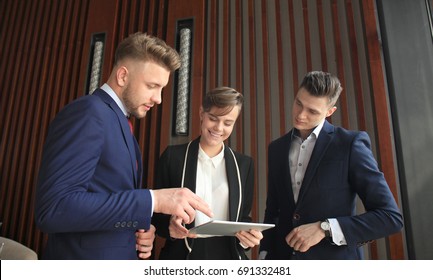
x: 325, y: 226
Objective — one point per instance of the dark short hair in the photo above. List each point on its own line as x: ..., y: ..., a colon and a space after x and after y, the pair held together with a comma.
x: 322, y: 84
x: 222, y: 97
x: 143, y: 47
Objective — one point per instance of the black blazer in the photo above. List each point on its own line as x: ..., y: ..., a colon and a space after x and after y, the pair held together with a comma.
x: 169, y: 175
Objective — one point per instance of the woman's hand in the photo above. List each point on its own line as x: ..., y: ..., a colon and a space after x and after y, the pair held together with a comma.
x: 249, y: 239
x: 177, y: 230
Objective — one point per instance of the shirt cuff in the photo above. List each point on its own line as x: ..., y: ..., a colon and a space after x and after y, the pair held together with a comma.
x: 243, y: 246
x: 337, y: 234
x: 151, y: 209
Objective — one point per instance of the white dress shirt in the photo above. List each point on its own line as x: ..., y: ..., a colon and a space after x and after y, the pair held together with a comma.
x: 212, y: 186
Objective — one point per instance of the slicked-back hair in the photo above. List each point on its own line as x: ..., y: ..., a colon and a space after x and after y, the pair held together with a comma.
x: 322, y: 84
x: 142, y: 47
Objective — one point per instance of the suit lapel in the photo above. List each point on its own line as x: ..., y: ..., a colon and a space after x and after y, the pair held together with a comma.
x: 126, y: 132
x: 233, y: 182
x: 191, y: 166
x: 322, y: 143
x: 285, y: 164
x: 191, y: 170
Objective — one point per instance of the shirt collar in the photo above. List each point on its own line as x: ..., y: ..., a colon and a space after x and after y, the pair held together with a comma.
x: 315, y: 133
x: 318, y: 128
x: 105, y: 87
x: 216, y: 160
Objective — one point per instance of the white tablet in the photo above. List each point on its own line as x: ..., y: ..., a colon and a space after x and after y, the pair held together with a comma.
x: 227, y: 228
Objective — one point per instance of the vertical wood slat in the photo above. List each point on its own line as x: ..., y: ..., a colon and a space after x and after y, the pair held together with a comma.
x: 266, y: 80
x: 323, y: 54
x: 340, y: 64
x: 213, y: 44
x: 307, y: 34
x: 281, y: 74
x: 6, y: 32
x: 225, y: 44
x: 239, y: 71
x: 382, y: 122
x: 293, y: 47
x: 356, y: 74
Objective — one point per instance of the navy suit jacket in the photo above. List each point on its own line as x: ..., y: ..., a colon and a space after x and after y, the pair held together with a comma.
x: 170, y: 169
x: 341, y: 167
x: 88, y: 196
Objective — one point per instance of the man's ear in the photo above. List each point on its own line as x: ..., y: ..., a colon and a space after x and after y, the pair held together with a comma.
x: 331, y: 111
x: 122, y: 76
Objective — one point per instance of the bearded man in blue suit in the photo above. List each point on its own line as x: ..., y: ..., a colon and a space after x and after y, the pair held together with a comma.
x: 315, y: 173
x: 89, y: 196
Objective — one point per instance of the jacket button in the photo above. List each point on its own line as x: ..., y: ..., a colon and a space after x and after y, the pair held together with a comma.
x: 129, y: 224
x: 123, y: 224
x: 116, y: 225
x: 135, y: 224
x: 296, y: 216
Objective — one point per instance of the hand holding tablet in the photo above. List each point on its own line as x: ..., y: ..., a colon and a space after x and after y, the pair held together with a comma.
x: 227, y: 228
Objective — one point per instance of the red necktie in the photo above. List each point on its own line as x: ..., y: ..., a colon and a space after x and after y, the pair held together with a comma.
x: 130, y: 126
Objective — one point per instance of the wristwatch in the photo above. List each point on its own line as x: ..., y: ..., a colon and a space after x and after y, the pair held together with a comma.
x: 326, y: 227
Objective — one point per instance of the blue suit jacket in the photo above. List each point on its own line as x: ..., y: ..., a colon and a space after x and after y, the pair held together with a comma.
x: 341, y: 167
x: 88, y: 196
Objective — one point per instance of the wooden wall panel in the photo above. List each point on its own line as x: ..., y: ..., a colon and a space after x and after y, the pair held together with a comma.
x: 262, y: 48
x: 39, y: 40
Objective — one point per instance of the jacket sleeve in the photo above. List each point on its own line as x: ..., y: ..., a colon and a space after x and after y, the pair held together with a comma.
x: 382, y: 216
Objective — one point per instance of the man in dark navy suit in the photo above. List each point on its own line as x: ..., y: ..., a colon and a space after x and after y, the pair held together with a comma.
x: 89, y: 197
x: 315, y: 173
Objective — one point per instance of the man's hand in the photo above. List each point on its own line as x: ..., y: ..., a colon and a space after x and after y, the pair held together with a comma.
x: 177, y: 230
x: 144, y: 242
x: 304, y: 237
x: 180, y: 202
x: 249, y: 238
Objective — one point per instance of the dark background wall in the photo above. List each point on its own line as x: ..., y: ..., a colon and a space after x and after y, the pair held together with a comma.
x: 408, y: 50
x: 263, y: 48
